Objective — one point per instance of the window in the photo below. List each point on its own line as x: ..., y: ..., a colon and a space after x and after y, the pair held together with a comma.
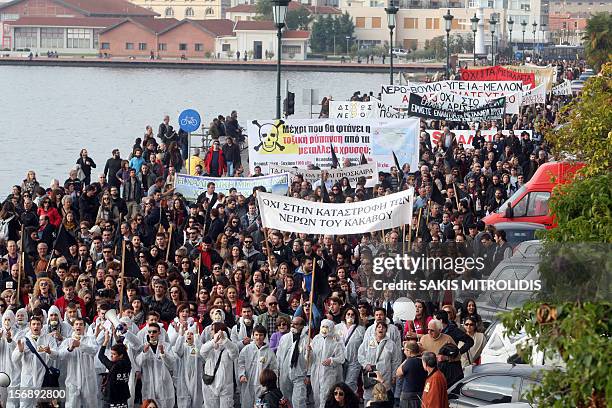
x: 411, y: 43
x: 209, y: 11
x: 26, y: 37
x: 9, y: 16
x: 189, y: 12
x: 79, y: 38
x: 457, y: 24
x: 52, y: 38
x: 525, y: 7
x: 182, y: 47
x: 432, y: 23
x: 105, y: 46
x: 162, y: 47
x: 411, y: 23
x: 142, y: 46
x: 226, y: 47
x: 292, y: 49
x: 360, y: 22
x: 538, y: 204
x: 495, y: 389
x: 96, y: 37
x: 376, y: 22
x: 199, y: 47
x: 169, y: 12
x: 129, y: 46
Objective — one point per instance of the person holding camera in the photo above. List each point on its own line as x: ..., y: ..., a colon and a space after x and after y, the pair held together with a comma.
x: 380, y: 355
x: 115, y: 388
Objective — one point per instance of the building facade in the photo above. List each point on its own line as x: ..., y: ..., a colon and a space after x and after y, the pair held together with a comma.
x: 192, y: 9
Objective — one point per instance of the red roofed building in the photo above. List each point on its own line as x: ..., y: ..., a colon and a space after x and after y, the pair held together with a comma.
x: 63, y: 26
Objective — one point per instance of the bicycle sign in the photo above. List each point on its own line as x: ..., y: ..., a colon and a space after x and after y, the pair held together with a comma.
x: 189, y: 120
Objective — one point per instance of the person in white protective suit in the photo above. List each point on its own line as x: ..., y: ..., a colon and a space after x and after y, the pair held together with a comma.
x: 156, y: 361
x: 351, y: 335
x: 380, y: 315
x: 379, y: 354
x: 59, y: 330
x: 153, y: 317
x: 189, y: 363
x: 182, y: 319
x: 220, y: 393
x: 217, y: 316
x: 292, y: 364
x: 327, y: 358
x: 78, y: 352
x: 253, y: 359
x: 22, y: 325
x: 7, y: 346
x: 32, y: 370
x: 243, y: 330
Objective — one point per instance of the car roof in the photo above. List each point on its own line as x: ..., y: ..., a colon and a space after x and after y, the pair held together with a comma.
x: 528, y: 249
x: 523, y: 370
x: 519, y: 225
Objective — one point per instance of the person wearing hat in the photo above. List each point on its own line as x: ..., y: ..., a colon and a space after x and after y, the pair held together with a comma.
x: 449, y: 363
x: 326, y: 360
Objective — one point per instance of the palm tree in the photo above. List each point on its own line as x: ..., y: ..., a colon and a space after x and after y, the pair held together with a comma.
x: 598, y: 40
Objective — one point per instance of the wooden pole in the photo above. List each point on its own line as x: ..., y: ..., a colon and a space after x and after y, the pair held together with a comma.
x: 198, y: 263
x: 169, y: 242
x: 456, y: 194
x: 404, y: 237
x: 121, y: 277
x: 419, y: 222
x: 267, y: 244
x: 311, y: 300
x: 21, y: 264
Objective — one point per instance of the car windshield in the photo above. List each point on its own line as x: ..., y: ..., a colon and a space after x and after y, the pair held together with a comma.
x: 517, y: 194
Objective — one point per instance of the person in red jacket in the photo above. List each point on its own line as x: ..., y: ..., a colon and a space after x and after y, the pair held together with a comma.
x: 435, y: 393
x: 51, y: 212
x: 214, y: 162
x: 69, y: 297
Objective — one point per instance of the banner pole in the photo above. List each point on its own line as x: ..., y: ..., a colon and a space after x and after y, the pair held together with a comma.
x: 122, y: 277
x: 419, y: 222
x: 267, y: 244
x: 169, y: 242
x: 311, y: 297
x: 21, y: 266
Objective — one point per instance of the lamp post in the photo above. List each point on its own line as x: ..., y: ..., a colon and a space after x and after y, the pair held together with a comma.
x: 474, y: 20
x: 279, y: 9
x: 535, y: 26
x: 492, y: 24
x: 391, y: 19
x: 448, y: 22
x: 543, y: 29
x: 348, y: 38
x: 524, y: 26
x: 510, y: 26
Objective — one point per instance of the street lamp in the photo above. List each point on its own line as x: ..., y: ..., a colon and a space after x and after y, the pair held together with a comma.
x: 535, y: 26
x: 543, y: 29
x: 510, y: 26
x: 348, y: 38
x: 524, y: 26
x: 279, y: 10
x: 492, y: 24
x: 448, y: 22
x: 391, y: 19
x: 474, y: 20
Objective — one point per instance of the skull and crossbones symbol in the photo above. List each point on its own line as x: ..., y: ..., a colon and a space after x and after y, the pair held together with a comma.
x: 268, y: 136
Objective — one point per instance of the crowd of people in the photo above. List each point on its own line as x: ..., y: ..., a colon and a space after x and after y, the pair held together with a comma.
x: 138, y: 296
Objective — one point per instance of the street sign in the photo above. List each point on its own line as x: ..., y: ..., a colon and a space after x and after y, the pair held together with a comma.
x: 189, y: 120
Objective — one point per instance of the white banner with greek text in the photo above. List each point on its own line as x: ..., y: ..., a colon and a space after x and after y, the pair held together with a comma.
x: 353, y: 173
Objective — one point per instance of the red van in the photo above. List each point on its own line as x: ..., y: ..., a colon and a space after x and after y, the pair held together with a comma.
x: 530, y: 202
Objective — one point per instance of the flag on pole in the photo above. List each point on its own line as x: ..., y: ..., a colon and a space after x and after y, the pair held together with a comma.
x: 335, y: 162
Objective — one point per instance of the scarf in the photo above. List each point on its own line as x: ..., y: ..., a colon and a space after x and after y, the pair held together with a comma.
x: 296, y: 350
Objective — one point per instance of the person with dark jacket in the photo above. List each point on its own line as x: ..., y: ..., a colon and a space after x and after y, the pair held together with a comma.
x: 159, y: 302
x: 214, y: 162
x: 86, y: 164
x: 112, y: 167
x: 451, y: 329
x: 449, y: 363
x: 88, y: 205
x: 231, y: 153
x: 271, y: 397
x: 216, y: 225
x: 115, y: 388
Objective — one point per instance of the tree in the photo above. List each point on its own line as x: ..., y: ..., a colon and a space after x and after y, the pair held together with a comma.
x: 571, y: 318
x: 263, y: 8
x: 325, y: 29
x: 298, y: 19
x: 598, y: 40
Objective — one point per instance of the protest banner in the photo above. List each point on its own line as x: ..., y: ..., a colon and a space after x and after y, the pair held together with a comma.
x: 543, y: 75
x: 465, y: 137
x: 453, y: 101
x: 353, y: 173
x: 300, y: 142
x: 373, y: 109
x: 534, y: 96
x: 420, y: 106
x: 192, y: 186
x: 564, y: 88
x: 397, y: 96
x: 497, y: 73
x: 297, y: 215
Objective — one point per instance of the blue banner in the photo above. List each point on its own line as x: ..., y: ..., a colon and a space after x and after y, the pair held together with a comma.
x: 192, y: 186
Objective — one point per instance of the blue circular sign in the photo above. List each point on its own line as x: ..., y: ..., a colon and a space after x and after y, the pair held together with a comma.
x: 189, y: 120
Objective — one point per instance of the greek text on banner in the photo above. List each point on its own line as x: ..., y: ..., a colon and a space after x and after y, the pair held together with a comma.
x: 296, y: 215
x: 352, y: 173
x: 192, y: 186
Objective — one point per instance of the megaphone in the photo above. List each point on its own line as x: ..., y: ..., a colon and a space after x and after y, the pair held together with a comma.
x: 111, y: 316
x: 404, y: 309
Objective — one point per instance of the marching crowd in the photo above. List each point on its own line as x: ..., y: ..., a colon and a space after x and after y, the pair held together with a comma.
x: 138, y: 296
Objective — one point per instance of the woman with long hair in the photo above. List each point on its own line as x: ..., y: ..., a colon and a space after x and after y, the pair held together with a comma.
x: 472, y: 357
x: 418, y: 326
x: 70, y: 224
x: 47, y: 208
x: 234, y: 256
x: 221, y: 246
x: 351, y: 334
x: 29, y: 183
x: 341, y: 396
x: 108, y: 211
x: 10, y: 218
x: 44, y: 294
x: 178, y: 213
x: 237, y: 280
x: 469, y: 310
x: 173, y: 157
x: 177, y: 295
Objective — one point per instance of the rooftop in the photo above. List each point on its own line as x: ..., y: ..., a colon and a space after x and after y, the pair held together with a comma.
x: 98, y: 8
x: 94, y: 22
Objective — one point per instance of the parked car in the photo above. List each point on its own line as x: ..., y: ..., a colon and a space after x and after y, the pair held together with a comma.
x: 528, y: 249
x: 494, y: 384
x: 577, y: 85
x: 400, y: 52
x: 530, y: 202
x: 518, y: 232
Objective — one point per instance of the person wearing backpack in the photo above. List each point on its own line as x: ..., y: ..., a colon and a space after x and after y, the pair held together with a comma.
x: 9, y: 222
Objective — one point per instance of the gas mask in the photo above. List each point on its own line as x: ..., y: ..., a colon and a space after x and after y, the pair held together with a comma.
x: 53, y: 324
x: 217, y: 317
x: 349, y: 320
x: 295, y: 330
x: 324, y: 331
x: 76, y: 336
x: 153, y: 342
x: 6, y: 324
x: 247, y: 321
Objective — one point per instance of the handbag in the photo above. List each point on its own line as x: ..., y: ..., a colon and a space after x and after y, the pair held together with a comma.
x: 52, y: 374
x: 209, y: 379
x: 371, y: 382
